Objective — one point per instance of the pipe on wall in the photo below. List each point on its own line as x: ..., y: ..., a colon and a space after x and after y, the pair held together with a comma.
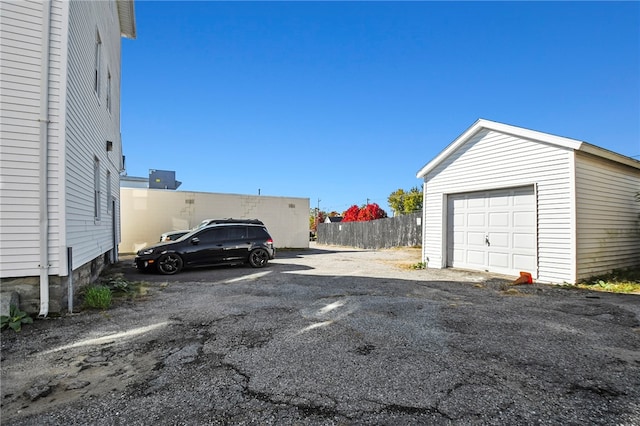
x: 44, y: 159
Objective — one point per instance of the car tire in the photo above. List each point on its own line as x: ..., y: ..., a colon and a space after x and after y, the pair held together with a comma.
x: 169, y: 264
x: 258, y: 258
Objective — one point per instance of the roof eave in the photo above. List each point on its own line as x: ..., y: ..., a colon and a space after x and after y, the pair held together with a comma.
x: 482, y: 124
x: 126, y: 16
x: 609, y: 155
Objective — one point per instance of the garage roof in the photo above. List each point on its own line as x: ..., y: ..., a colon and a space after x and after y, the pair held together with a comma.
x: 560, y: 141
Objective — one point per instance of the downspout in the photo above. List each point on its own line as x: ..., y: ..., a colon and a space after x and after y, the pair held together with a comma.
x: 44, y: 167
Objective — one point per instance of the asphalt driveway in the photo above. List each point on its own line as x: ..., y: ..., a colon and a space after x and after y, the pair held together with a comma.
x: 331, y: 336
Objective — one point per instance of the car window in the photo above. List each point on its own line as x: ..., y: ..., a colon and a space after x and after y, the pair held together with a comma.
x: 257, y: 232
x: 212, y: 235
x: 237, y: 232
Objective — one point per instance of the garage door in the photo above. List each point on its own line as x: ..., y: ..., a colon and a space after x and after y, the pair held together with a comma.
x: 493, y: 231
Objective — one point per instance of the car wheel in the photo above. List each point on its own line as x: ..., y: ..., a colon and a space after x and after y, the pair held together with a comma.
x: 258, y: 258
x: 169, y: 263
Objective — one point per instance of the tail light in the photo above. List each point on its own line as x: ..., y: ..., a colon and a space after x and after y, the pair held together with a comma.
x: 270, y: 241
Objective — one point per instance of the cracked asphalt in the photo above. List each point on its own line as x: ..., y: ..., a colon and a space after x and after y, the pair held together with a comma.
x: 331, y: 336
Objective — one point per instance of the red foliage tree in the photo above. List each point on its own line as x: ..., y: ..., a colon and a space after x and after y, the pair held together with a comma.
x: 371, y: 212
x: 351, y: 214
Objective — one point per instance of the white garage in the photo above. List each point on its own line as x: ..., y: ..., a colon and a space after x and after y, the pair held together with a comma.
x: 505, y: 199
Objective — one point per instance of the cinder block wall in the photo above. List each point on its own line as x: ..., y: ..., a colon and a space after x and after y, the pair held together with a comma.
x: 147, y: 213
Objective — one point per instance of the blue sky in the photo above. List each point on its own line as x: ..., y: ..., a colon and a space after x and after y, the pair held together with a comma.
x: 345, y: 101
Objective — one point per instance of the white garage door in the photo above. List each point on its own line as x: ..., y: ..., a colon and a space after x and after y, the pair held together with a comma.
x: 493, y: 231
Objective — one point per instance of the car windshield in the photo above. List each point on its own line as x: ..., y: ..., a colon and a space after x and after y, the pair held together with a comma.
x: 188, y: 234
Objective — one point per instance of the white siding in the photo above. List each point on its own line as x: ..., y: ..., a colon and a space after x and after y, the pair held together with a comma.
x: 492, y: 160
x: 147, y: 213
x: 21, y: 41
x: 608, y: 231
x: 89, y: 125
x: 56, y: 135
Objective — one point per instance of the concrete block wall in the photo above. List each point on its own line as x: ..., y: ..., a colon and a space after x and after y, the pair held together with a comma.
x: 147, y: 213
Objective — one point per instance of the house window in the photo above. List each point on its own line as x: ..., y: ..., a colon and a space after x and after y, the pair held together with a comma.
x: 96, y: 68
x: 108, y: 192
x: 109, y: 91
x: 96, y: 188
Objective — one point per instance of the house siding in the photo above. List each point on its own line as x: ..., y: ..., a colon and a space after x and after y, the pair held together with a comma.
x: 608, y: 233
x: 21, y: 39
x: 89, y: 125
x: 493, y: 160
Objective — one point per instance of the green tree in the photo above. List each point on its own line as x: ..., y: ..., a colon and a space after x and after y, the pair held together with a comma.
x: 413, y: 201
x: 402, y: 202
x: 396, y: 201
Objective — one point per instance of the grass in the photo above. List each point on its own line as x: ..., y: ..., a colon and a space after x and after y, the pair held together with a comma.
x: 618, y: 281
x: 98, y: 297
x: 113, y: 286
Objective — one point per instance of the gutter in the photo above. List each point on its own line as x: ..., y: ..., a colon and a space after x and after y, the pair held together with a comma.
x: 44, y: 167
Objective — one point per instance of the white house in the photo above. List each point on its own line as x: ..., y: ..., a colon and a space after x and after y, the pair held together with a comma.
x: 60, y: 145
x: 506, y: 199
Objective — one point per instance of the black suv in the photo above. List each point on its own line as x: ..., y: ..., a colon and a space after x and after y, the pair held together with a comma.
x: 220, y: 243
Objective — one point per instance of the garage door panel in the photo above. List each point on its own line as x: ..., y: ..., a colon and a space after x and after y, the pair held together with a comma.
x: 458, y: 238
x: 475, y: 258
x: 458, y: 256
x: 499, y: 200
x: 524, y: 197
x: 499, y: 240
x: 524, y: 263
x: 507, y: 218
x: 476, y: 219
x: 499, y: 219
x: 524, y: 219
x: 523, y: 241
x: 499, y: 259
x: 475, y: 239
x: 476, y: 202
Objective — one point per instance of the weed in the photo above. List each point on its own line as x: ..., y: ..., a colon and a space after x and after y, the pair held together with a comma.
x: 419, y: 265
x: 618, y: 281
x: 15, y: 319
x: 98, y: 297
x: 121, y: 287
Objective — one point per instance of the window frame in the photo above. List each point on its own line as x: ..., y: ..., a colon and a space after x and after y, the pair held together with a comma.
x: 108, y: 198
x: 96, y: 189
x: 109, y: 100
x: 97, y: 65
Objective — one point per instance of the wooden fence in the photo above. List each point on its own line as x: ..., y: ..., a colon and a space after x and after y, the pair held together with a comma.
x: 399, y: 231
